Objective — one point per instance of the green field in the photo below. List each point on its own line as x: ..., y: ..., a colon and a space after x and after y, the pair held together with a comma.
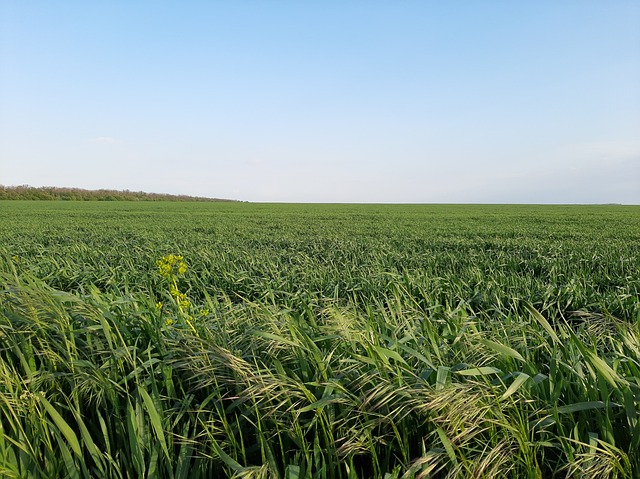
x: 318, y: 341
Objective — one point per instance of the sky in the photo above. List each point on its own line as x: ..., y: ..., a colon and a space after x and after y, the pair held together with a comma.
x: 395, y: 101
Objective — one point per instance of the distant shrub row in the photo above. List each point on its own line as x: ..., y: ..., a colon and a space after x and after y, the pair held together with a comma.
x: 26, y: 192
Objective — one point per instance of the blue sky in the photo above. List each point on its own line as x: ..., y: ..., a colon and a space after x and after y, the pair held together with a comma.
x: 325, y: 101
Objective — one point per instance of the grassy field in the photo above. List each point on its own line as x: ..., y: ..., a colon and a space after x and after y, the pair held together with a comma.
x: 199, y: 340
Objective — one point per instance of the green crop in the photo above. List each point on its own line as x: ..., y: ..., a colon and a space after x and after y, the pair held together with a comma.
x: 197, y: 340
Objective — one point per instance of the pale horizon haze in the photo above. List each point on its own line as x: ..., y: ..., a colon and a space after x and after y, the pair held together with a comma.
x: 332, y: 101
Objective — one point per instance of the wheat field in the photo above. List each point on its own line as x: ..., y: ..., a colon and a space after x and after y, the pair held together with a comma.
x: 199, y: 340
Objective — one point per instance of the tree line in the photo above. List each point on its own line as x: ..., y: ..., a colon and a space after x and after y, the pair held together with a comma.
x: 26, y: 192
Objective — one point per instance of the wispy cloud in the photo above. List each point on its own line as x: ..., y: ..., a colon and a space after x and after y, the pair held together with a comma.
x: 602, y: 151
x: 104, y: 140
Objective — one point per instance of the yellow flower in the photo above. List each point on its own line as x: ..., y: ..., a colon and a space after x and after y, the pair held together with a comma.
x: 168, y: 322
x: 159, y: 305
x: 171, y: 265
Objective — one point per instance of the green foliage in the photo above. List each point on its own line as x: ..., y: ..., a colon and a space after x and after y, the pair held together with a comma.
x: 318, y: 341
x: 26, y: 192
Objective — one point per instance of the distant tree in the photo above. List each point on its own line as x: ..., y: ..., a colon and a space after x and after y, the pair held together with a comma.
x: 26, y: 192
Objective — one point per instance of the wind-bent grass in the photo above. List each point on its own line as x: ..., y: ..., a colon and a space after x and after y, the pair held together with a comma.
x: 342, y: 355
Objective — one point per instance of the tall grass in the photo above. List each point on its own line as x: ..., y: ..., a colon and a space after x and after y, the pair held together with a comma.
x: 348, y: 354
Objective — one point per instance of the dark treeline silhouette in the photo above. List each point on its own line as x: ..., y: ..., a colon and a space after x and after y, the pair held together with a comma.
x: 26, y: 192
